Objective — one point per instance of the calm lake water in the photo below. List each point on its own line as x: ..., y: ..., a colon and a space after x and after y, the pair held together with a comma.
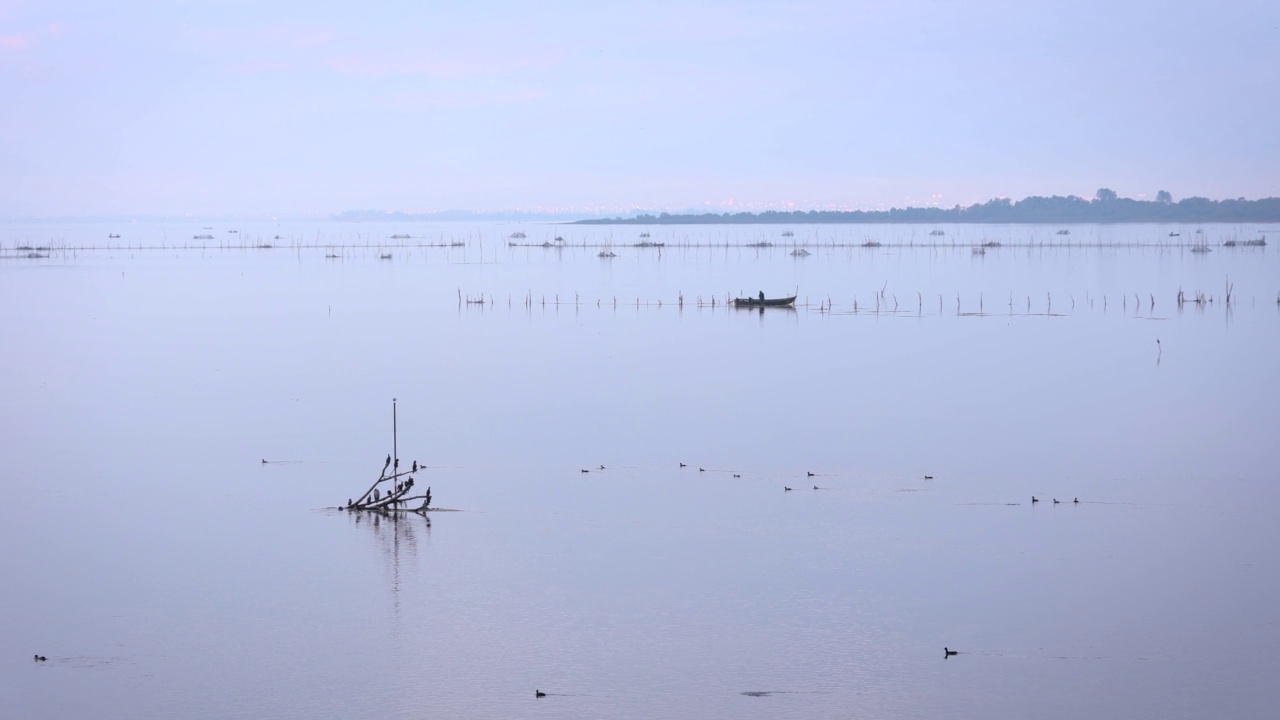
x: 166, y: 571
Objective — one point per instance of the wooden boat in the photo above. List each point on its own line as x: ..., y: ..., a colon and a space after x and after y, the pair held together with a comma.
x: 767, y: 302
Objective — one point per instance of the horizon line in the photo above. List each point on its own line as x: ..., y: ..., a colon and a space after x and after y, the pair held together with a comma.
x: 567, y: 214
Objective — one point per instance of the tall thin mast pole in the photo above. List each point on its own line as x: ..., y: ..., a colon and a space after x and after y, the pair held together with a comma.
x: 394, y: 453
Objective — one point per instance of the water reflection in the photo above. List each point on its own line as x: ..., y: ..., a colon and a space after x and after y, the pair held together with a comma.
x: 397, y: 537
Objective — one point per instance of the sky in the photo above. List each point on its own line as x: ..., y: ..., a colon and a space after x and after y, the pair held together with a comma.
x: 304, y: 109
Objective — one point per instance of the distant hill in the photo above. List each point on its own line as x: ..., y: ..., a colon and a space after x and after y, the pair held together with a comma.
x: 1106, y: 208
x: 453, y: 216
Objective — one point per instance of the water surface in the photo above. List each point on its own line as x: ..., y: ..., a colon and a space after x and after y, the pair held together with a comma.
x: 167, y: 572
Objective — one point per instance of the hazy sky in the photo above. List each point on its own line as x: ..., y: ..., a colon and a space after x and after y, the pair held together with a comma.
x: 309, y: 108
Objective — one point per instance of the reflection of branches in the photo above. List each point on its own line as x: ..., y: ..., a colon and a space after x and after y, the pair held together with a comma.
x: 397, y: 538
x: 393, y: 527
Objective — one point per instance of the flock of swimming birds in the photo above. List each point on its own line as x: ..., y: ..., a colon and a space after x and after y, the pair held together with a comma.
x: 785, y: 488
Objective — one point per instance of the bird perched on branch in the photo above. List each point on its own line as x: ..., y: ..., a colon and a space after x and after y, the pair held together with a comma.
x: 387, y: 464
x: 415, y: 466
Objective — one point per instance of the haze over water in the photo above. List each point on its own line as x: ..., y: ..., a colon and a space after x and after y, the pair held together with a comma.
x: 166, y: 571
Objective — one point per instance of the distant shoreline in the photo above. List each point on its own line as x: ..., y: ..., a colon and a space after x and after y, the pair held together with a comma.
x: 1032, y: 210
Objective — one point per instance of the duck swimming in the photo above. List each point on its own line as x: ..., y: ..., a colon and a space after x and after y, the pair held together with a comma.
x: 539, y: 693
x: 949, y: 652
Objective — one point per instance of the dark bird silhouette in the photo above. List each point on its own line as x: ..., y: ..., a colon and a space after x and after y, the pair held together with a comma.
x: 786, y: 489
x: 387, y: 464
x: 948, y: 652
x: 397, y: 466
x: 415, y: 466
x: 601, y: 467
x: 815, y: 487
x: 683, y: 465
x: 348, y: 502
x: 585, y: 470
x: 737, y: 475
x: 40, y: 658
x: 539, y: 693
x: 702, y: 469
x: 1076, y: 501
x: 1034, y: 499
x: 1055, y: 501
x: 810, y: 474
x: 928, y: 477
x: 264, y: 461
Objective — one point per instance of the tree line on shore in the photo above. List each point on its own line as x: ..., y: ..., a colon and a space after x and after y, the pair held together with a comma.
x: 1104, y: 207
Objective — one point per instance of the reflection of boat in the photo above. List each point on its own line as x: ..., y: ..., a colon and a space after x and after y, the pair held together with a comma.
x: 979, y: 251
x: 1201, y: 249
x: 606, y: 254
x: 767, y: 302
x: 801, y: 252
